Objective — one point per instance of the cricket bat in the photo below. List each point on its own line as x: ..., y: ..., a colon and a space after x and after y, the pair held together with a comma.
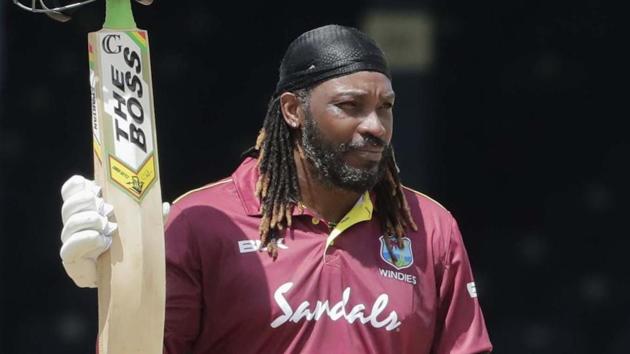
x: 131, y: 285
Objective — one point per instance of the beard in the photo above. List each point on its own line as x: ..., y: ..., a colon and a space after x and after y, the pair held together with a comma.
x: 330, y: 166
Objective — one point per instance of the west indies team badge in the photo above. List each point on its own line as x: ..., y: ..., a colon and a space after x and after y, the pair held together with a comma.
x: 403, y: 256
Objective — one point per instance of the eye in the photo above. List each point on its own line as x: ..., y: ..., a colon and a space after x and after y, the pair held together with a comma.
x: 347, y: 105
x: 387, y: 105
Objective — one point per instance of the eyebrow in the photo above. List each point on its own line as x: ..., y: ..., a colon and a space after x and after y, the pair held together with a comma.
x: 356, y: 93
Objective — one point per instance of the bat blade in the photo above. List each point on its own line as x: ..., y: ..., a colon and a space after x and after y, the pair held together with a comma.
x: 132, y: 274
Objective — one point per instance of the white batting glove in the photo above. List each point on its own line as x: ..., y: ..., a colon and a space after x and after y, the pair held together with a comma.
x: 87, y: 229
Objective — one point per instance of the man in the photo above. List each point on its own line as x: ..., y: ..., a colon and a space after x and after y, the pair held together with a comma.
x: 354, y: 262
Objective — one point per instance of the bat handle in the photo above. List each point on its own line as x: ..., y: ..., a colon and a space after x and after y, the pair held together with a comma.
x: 118, y: 15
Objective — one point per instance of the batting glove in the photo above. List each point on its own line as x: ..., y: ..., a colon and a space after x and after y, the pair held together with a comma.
x: 86, y: 230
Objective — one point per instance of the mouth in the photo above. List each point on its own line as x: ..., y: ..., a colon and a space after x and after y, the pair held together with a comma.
x: 372, y: 154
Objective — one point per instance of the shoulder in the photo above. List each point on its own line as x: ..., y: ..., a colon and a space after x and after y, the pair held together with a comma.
x: 434, y: 221
x: 211, y: 194
x: 234, y: 194
x: 421, y: 205
x: 205, y: 215
x: 212, y: 202
x: 191, y: 217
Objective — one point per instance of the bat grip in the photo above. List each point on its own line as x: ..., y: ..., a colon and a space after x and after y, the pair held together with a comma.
x: 118, y: 15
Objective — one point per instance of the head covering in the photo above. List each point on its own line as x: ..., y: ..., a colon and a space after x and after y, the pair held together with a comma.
x: 327, y: 52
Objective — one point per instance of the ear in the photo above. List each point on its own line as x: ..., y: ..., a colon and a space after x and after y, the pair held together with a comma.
x: 292, y: 110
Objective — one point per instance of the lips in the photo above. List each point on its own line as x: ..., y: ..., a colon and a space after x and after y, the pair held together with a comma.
x: 374, y: 154
x: 371, y: 149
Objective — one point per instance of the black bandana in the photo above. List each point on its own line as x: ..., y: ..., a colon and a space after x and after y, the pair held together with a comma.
x: 327, y: 52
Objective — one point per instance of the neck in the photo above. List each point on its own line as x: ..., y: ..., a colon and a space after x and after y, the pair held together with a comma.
x: 330, y: 203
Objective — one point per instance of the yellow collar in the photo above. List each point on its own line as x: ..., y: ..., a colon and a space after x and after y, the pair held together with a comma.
x: 361, y: 211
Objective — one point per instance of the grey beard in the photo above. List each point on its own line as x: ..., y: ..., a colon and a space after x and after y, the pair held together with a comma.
x: 330, y: 167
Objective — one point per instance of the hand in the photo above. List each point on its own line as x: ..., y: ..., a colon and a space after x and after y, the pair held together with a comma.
x: 87, y: 229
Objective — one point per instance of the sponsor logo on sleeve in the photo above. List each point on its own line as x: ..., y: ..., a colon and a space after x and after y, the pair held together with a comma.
x: 472, y: 289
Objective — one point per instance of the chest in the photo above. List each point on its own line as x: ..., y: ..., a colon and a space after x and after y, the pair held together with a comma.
x: 353, y: 281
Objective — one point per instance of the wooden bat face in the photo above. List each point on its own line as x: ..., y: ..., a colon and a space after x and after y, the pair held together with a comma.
x: 126, y: 100
x: 131, y: 275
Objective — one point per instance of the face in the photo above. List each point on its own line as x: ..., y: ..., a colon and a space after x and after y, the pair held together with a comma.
x: 347, y: 129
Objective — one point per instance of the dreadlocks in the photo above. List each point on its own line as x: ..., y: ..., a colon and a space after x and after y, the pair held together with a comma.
x: 278, y: 190
x: 277, y: 186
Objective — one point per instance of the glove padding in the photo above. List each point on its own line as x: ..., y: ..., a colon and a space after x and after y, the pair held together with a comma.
x: 86, y: 230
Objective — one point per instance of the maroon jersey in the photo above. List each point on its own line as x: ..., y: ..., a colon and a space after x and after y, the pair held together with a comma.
x: 330, y: 291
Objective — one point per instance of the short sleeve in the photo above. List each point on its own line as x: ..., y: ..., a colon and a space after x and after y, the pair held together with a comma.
x: 460, y: 325
x: 183, y: 285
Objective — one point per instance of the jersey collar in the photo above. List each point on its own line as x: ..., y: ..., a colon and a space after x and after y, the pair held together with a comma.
x: 362, y: 211
x: 246, y: 176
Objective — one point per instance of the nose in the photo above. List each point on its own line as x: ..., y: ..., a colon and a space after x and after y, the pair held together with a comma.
x: 372, y: 125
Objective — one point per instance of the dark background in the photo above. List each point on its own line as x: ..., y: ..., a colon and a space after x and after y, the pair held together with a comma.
x: 513, y: 127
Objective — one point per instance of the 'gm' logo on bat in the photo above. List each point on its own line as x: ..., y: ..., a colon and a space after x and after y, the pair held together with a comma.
x: 403, y: 256
x: 107, y: 44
